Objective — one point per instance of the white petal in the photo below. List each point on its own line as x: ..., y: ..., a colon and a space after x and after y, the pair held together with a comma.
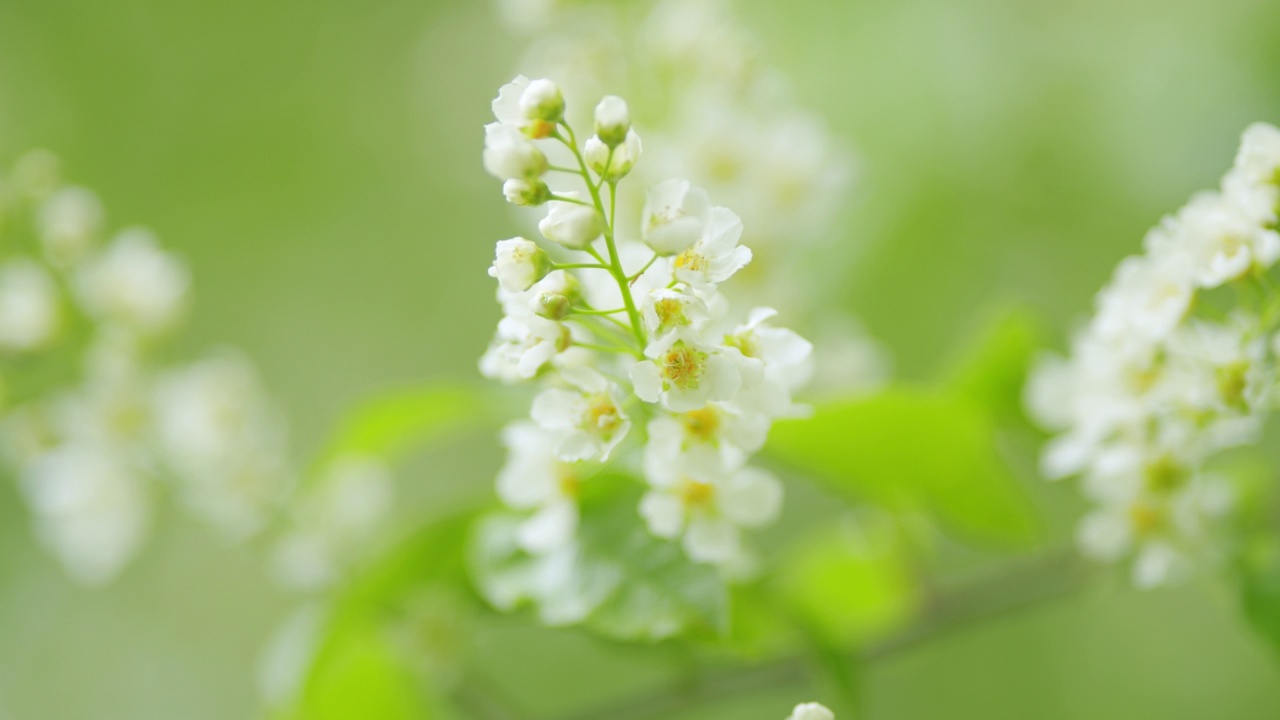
x: 663, y: 513
x: 711, y: 540
x: 646, y: 379
x: 751, y: 498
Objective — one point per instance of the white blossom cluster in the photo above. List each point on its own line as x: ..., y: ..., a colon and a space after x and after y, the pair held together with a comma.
x: 716, y: 114
x: 1178, y: 364
x: 90, y: 426
x: 642, y: 362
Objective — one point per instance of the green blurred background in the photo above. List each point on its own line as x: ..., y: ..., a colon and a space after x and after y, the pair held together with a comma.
x: 318, y: 165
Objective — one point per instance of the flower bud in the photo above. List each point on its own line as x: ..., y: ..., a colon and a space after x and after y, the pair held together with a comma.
x: 674, y: 215
x: 542, y: 101
x: 519, y: 263
x: 551, y: 305
x: 570, y: 224
x: 509, y: 155
x: 613, y: 121
x: 526, y: 192
x: 612, y: 164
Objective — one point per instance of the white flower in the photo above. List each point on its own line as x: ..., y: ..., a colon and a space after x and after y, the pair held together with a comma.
x: 68, y: 222
x: 613, y: 121
x: 1259, y: 155
x: 716, y: 255
x: 532, y: 108
x: 542, y: 101
x: 134, y: 283
x: 1146, y: 299
x: 773, y: 362
x: 587, y: 422
x: 668, y: 309
x: 684, y: 374
x: 90, y: 509
x: 533, y: 478
x: 508, y: 155
x: 613, y: 163
x: 811, y: 711
x: 698, y: 498
x: 519, y: 263
x: 1219, y: 241
x: 28, y: 305
x: 571, y: 224
x: 734, y: 432
x: 675, y: 214
x: 523, y: 344
x: 223, y: 440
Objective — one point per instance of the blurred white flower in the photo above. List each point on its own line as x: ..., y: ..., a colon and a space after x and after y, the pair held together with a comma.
x: 134, y: 283
x: 811, y: 711
x: 518, y: 264
x: 90, y: 509
x: 571, y: 224
x: 69, y: 221
x: 674, y: 216
x: 28, y: 305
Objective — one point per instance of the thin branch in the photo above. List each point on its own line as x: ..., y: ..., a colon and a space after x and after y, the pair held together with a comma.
x: 1028, y: 584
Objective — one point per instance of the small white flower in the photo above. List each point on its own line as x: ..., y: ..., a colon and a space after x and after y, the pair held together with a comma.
x: 716, y: 255
x: 571, y: 224
x: 773, y: 361
x: 508, y: 155
x: 684, y: 374
x: 223, y: 439
x: 533, y: 478
x: 28, y: 305
x: 613, y: 120
x: 668, y: 309
x: 613, y: 163
x: 1219, y: 241
x: 1259, y: 155
x: 674, y: 217
x: 811, y: 711
x: 699, y: 499
x: 91, y: 509
x: 532, y: 108
x: 68, y: 222
x: 587, y: 422
x: 134, y: 283
x: 734, y: 432
x: 519, y: 263
x: 523, y: 344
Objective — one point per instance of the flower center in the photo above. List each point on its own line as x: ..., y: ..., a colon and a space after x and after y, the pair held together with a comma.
x: 1146, y: 518
x: 670, y: 313
x: 602, y: 415
x: 1232, y: 382
x: 745, y: 342
x: 682, y: 366
x: 570, y: 483
x: 1164, y: 475
x: 702, y: 424
x: 696, y: 494
x: 690, y: 260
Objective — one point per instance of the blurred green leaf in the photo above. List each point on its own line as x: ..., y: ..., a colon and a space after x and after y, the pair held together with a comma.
x: 353, y: 642
x: 397, y: 423
x: 993, y: 371
x: 1259, y: 579
x: 618, y: 580
x: 362, y: 676
x: 850, y: 582
x: 912, y: 447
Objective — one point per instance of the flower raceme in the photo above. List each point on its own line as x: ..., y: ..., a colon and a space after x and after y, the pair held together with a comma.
x: 644, y: 366
x: 1166, y: 375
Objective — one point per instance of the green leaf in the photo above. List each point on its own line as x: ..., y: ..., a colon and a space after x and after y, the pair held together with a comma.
x: 399, y: 422
x: 994, y: 370
x: 617, y: 580
x: 1259, y: 578
x: 363, y: 676
x: 911, y: 447
x: 354, y: 644
x: 850, y: 582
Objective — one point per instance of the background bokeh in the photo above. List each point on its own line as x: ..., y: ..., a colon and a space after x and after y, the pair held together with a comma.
x: 317, y: 163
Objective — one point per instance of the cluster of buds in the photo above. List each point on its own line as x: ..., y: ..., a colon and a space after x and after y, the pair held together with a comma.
x: 643, y: 364
x: 729, y: 123
x: 1167, y: 375
x: 91, y: 425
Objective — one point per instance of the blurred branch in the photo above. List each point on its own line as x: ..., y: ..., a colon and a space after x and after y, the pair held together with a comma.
x: 1026, y: 584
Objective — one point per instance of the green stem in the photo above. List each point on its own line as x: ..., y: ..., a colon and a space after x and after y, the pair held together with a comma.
x: 575, y: 201
x: 589, y: 266
x: 615, y: 265
x: 588, y: 311
x: 636, y: 275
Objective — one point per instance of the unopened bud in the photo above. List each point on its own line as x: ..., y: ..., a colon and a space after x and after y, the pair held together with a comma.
x: 613, y: 121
